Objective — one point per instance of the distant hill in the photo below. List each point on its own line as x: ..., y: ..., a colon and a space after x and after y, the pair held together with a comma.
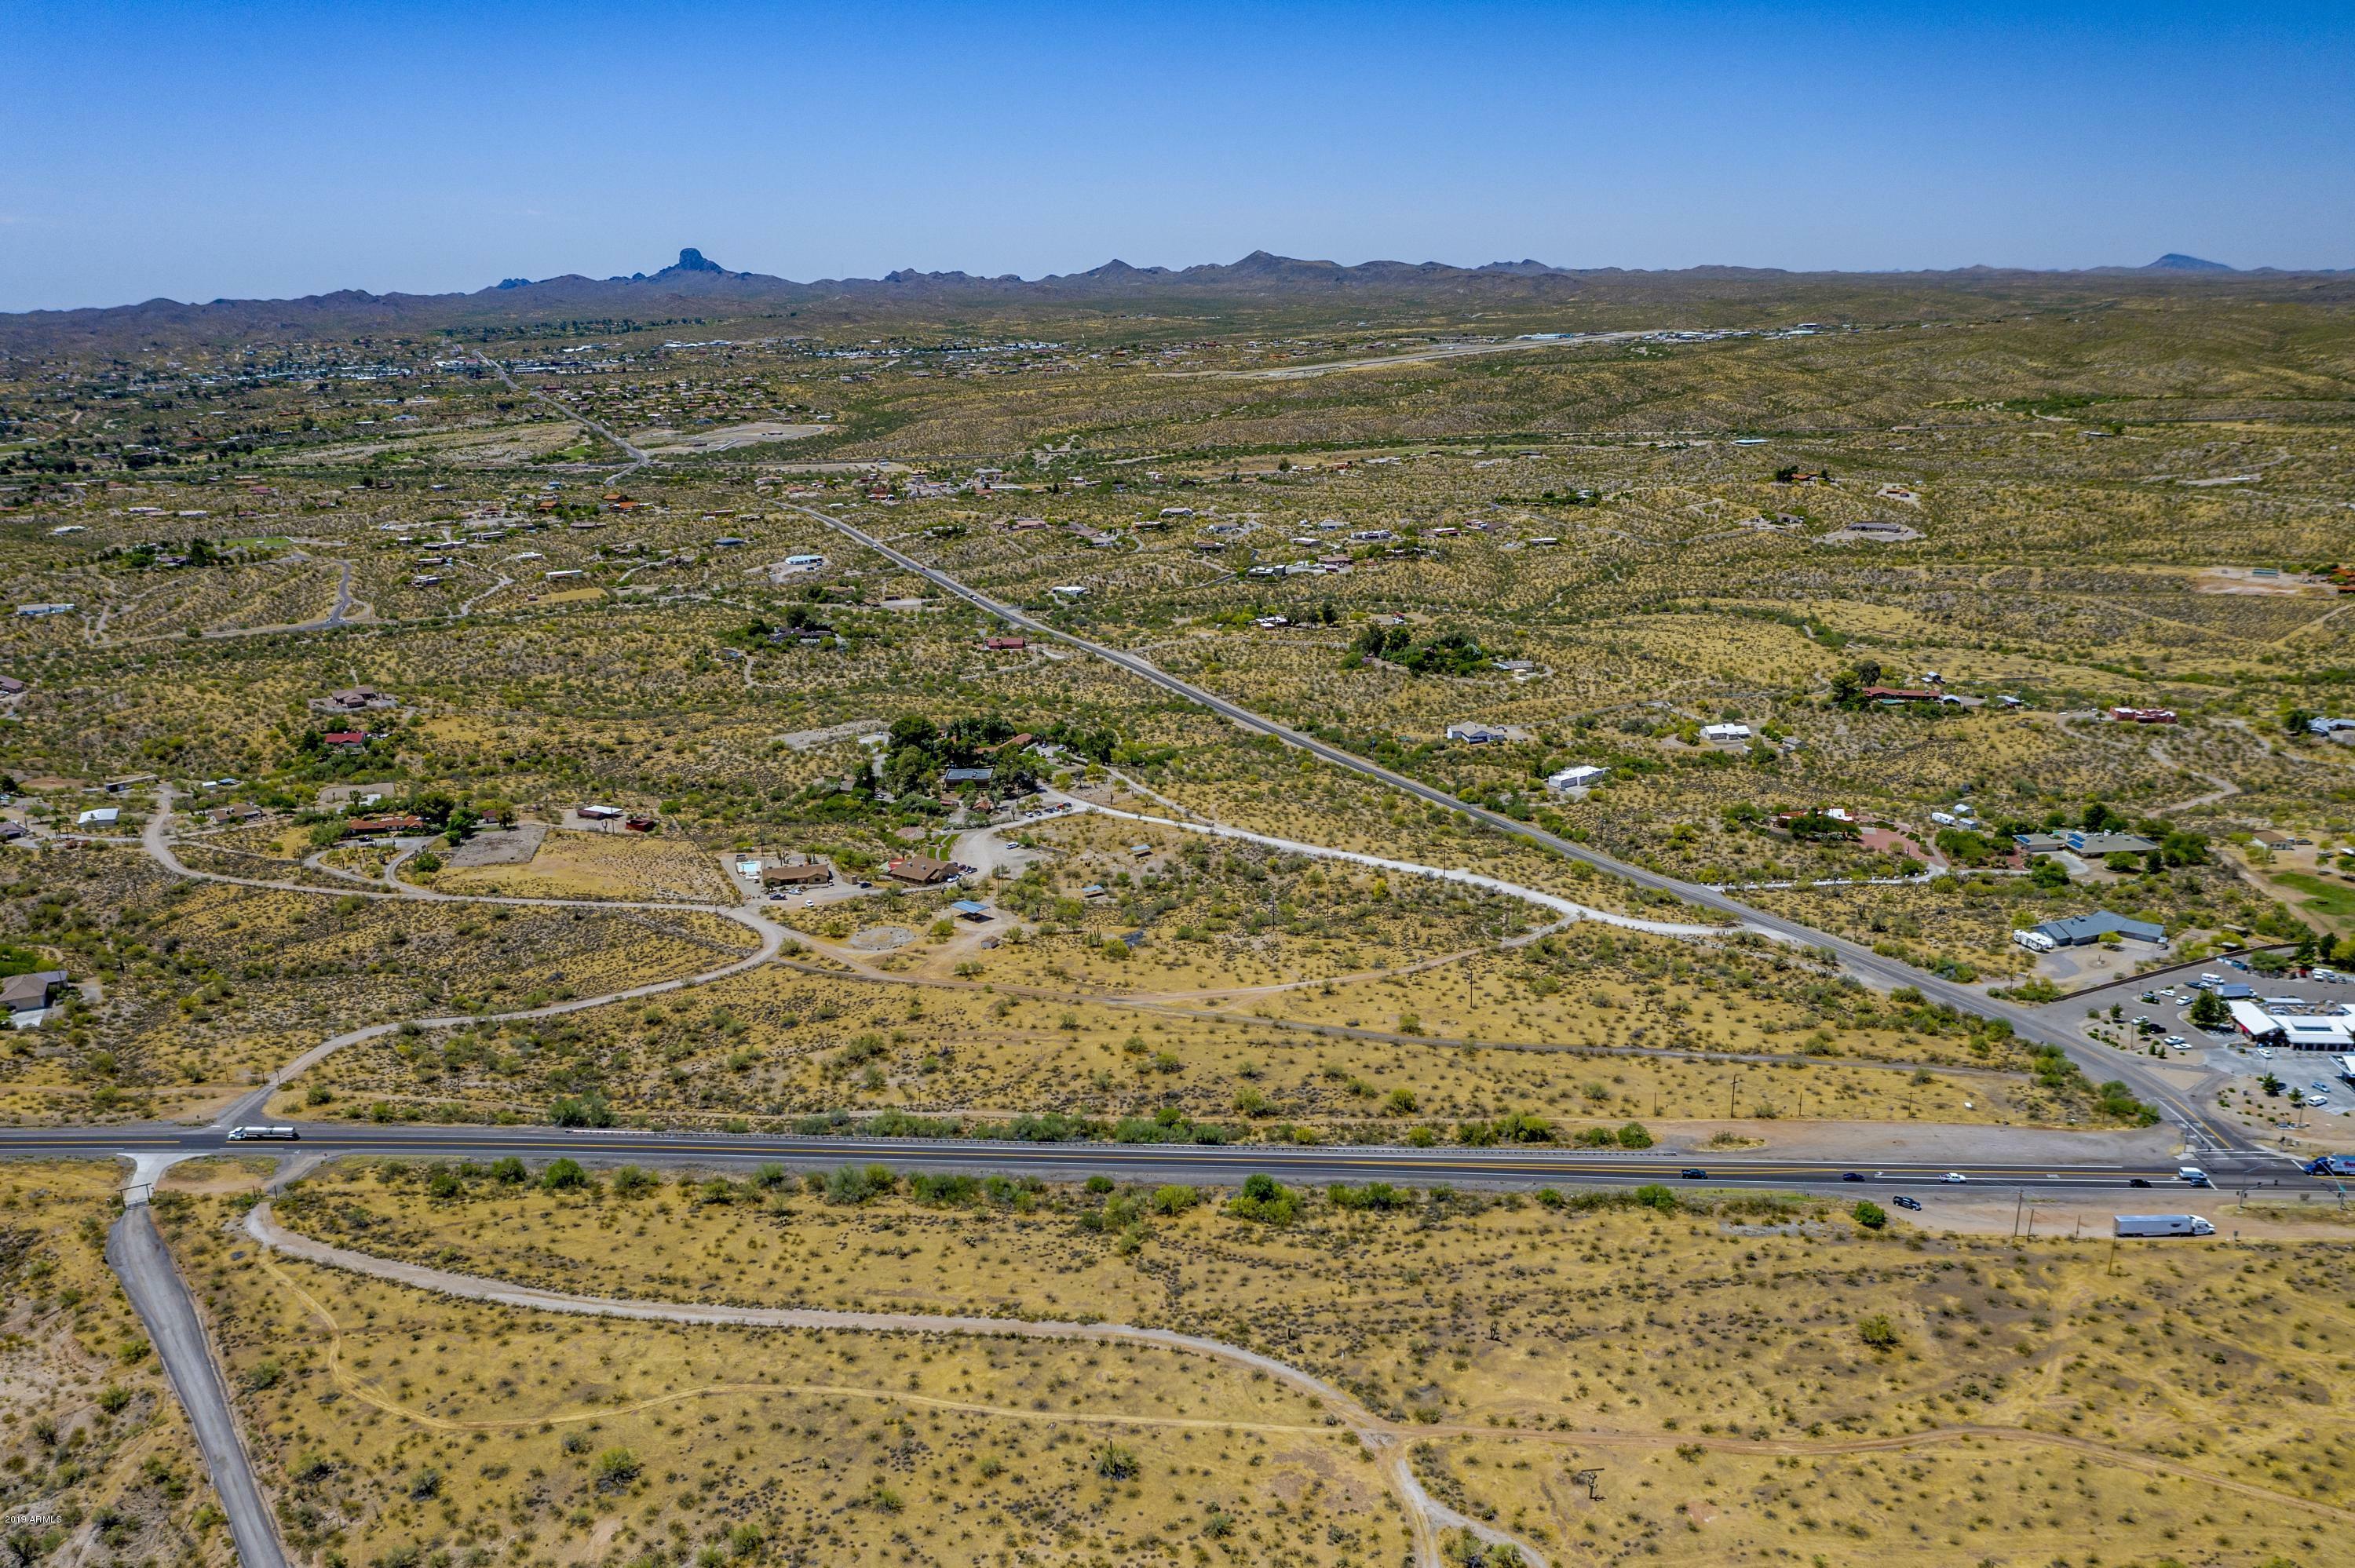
x: 1261, y: 286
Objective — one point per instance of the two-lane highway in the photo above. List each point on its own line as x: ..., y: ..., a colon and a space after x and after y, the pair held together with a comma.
x: 1204, y: 1164
x: 2203, y: 1132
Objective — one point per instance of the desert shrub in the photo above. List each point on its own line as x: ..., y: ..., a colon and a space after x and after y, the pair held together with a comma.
x: 1173, y: 1199
x: 856, y: 1184
x: 1265, y: 1199
x: 615, y: 1468
x: 564, y: 1176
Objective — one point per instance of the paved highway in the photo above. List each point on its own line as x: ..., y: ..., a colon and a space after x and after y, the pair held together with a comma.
x: 2208, y: 1135
x: 1208, y: 1164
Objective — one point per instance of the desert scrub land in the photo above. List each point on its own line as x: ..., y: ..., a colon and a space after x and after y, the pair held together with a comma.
x: 1753, y: 1375
x: 1217, y: 914
x: 394, y: 1425
x: 1616, y: 1027
x: 96, y: 1462
x: 206, y: 985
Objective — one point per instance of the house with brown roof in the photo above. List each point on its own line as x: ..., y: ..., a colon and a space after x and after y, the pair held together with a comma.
x: 358, y: 699
x: 30, y: 992
x: 920, y: 871
x: 813, y: 874
x: 383, y: 822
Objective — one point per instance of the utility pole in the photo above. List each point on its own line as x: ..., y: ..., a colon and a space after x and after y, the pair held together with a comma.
x: 2020, y: 1201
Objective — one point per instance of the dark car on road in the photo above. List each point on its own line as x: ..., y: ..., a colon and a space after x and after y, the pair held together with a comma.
x: 2137, y: 1182
x: 1902, y: 1201
x: 1852, y: 1176
x: 1694, y: 1173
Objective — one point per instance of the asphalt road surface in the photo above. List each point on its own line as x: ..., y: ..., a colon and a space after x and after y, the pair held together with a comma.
x: 2209, y: 1137
x: 1206, y: 1164
x: 138, y: 1256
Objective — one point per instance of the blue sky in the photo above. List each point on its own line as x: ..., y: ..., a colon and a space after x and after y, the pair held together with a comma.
x: 199, y: 151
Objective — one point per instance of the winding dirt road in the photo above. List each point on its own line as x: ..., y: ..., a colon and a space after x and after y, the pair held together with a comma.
x: 1385, y: 1440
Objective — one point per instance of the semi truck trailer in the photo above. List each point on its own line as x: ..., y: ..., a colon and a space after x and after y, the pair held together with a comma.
x: 2164, y: 1225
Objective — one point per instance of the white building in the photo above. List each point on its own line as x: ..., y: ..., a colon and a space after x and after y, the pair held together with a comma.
x: 101, y: 817
x: 1722, y: 733
x: 1582, y: 775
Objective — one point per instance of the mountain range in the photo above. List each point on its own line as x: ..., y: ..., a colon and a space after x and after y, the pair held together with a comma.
x: 697, y: 288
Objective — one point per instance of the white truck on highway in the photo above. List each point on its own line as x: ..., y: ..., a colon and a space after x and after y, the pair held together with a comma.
x: 2164, y: 1225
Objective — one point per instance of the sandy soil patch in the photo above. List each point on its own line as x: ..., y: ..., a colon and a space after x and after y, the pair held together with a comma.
x: 752, y: 433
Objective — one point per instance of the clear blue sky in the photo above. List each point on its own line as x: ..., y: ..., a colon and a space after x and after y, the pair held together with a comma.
x: 199, y: 150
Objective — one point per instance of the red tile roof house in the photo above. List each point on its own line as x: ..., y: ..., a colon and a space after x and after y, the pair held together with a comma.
x: 1006, y: 644
x: 355, y: 739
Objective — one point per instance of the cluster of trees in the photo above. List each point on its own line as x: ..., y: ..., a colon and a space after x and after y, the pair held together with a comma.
x: 198, y: 552
x: 919, y: 751
x: 318, y: 762
x: 1442, y: 653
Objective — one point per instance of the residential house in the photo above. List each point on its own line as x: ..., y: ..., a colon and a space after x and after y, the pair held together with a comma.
x: 356, y: 699
x: 1725, y: 734
x: 383, y: 822
x: 1580, y: 776
x: 10, y: 685
x: 346, y: 739
x: 27, y: 996
x: 2280, y: 838
x: 1006, y: 644
x: 2143, y: 715
x: 100, y: 817
x: 1474, y: 733
x: 2081, y: 930
x: 2100, y: 843
x: 920, y: 871
x: 813, y: 874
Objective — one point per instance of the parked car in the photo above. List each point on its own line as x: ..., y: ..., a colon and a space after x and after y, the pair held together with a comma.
x: 2178, y: 1042
x: 1902, y: 1201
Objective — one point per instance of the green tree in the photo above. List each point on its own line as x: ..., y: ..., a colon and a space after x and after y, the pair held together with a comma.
x: 1869, y: 1214
x: 2209, y: 1012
